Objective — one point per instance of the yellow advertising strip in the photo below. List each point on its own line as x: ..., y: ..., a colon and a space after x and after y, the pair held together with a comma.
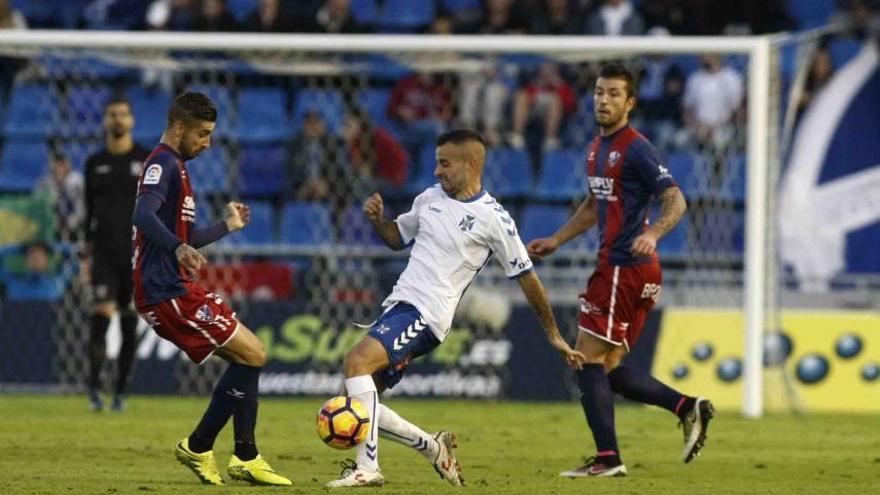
x: 831, y: 358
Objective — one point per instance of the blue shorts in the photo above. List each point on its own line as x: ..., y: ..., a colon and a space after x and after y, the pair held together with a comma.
x: 405, y: 336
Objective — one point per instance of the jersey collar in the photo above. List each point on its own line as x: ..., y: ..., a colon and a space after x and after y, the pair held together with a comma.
x: 480, y: 194
x: 613, y: 135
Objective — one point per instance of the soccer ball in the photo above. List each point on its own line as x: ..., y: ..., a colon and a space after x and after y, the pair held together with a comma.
x: 343, y: 422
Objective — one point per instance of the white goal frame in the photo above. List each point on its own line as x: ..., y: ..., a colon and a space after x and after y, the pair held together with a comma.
x: 756, y: 48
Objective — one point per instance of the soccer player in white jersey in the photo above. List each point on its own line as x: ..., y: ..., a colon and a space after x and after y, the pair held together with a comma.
x: 455, y: 228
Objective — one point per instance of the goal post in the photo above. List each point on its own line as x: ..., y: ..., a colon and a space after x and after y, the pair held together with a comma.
x: 276, y: 49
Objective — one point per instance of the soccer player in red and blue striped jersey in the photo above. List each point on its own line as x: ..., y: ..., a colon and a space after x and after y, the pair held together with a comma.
x: 625, y: 174
x: 181, y: 311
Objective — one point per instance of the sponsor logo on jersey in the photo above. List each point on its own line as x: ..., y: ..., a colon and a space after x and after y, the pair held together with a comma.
x: 664, y: 173
x: 153, y: 174
x: 188, y: 211
x: 516, y: 263
x: 613, y: 157
x: 435, y: 209
x: 603, y: 188
x: 204, y: 314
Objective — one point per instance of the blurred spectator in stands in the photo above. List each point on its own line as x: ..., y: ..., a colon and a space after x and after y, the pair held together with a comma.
x: 423, y: 107
x: 497, y: 17
x: 660, y: 90
x: 66, y: 190
x: 557, y: 17
x: 615, y: 18
x: 110, y: 14
x: 10, y: 18
x: 216, y: 17
x: 377, y: 157
x: 36, y: 279
x: 759, y: 17
x: 713, y: 97
x: 819, y: 75
x: 316, y: 164
x: 335, y: 17
x: 706, y: 17
x: 274, y: 16
x: 858, y: 17
x: 174, y: 15
x: 484, y: 99
x: 548, y: 98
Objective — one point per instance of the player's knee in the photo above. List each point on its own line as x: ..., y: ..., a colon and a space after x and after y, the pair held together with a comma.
x: 353, y: 364
x: 258, y: 355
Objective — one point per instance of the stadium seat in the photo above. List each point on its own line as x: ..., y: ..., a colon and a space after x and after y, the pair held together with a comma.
x: 262, y: 115
x: 422, y: 176
x: 78, y: 150
x: 674, y: 245
x: 22, y: 163
x: 455, y: 6
x: 508, y: 173
x: 209, y: 172
x: 327, y: 102
x: 842, y: 51
x: 405, y: 16
x: 681, y: 165
x: 364, y: 11
x: 811, y: 14
x: 261, y: 170
x: 32, y: 112
x: 84, y: 110
x: 375, y: 103
x: 224, y: 99
x: 563, y: 176
x: 734, y: 182
x: 261, y: 229
x: 241, y: 9
x: 150, y: 107
x: 541, y: 221
x: 355, y: 229
x: 305, y: 223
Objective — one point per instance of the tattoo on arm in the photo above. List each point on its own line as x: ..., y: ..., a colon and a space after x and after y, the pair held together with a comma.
x: 672, y: 208
x: 537, y: 298
x: 388, y: 232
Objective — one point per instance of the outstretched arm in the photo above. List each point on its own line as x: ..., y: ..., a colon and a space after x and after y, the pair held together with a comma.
x: 672, y: 208
x: 385, y: 227
x: 583, y: 219
x: 237, y: 216
x: 534, y: 292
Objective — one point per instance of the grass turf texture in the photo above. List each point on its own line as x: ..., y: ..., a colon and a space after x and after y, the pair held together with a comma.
x: 56, y: 445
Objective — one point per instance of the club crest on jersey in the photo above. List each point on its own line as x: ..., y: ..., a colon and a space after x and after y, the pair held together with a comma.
x: 613, y: 157
x: 204, y: 313
x: 153, y: 174
x: 467, y: 223
x: 383, y: 329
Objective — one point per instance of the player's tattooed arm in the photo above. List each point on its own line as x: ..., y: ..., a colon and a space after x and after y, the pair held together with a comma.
x: 537, y: 298
x: 385, y: 227
x: 672, y: 208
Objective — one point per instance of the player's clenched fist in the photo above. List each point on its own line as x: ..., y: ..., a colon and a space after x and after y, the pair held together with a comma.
x: 373, y: 207
x: 237, y: 216
x: 544, y: 246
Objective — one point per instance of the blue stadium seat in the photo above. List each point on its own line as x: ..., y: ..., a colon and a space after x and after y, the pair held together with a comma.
x: 405, y: 16
x: 541, y: 221
x: 22, y: 163
x: 223, y: 97
x: 563, y: 176
x: 305, y: 223
x: 262, y: 115
x: 209, y: 172
x: 241, y: 9
x: 734, y: 182
x: 327, y: 102
x: 455, y: 6
x: 32, y: 112
x: 364, y: 11
x: 355, y: 229
x: 78, y: 150
x: 842, y: 51
x: 262, y: 170
x: 674, y: 245
x: 811, y: 14
x: 508, y: 173
x: 681, y: 165
x: 378, y: 66
x: 261, y: 229
x: 375, y: 103
x: 85, y: 110
x: 150, y: 108
x: 422, y: 176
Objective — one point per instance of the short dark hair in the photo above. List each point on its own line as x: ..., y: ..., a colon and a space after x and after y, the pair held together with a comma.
x: 117, y: 99
x: 191, y: 108
x: 619, y: 71
x: 461, y: 136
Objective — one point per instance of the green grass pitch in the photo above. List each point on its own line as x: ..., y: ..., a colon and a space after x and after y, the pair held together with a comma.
x: 54, y: 445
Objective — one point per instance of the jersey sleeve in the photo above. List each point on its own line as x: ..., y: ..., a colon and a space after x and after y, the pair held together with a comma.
x: 649, y: 168
x: 510, y: 252
x: 408, y: 223
x: 157, y: 176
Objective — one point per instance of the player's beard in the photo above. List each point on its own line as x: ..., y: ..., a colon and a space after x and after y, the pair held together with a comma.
x: 118, y: 132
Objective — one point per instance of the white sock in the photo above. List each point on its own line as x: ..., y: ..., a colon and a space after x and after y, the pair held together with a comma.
x: 364, y: 389
x: 395, y: 428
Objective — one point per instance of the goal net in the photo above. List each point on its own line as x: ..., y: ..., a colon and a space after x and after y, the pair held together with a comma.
x: 309, y: 126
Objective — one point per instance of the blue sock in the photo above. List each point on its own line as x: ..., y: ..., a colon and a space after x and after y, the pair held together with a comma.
x: 229, y: 395
x: 244, y: 418
x: 597, y: 400
x: 642, y: 387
